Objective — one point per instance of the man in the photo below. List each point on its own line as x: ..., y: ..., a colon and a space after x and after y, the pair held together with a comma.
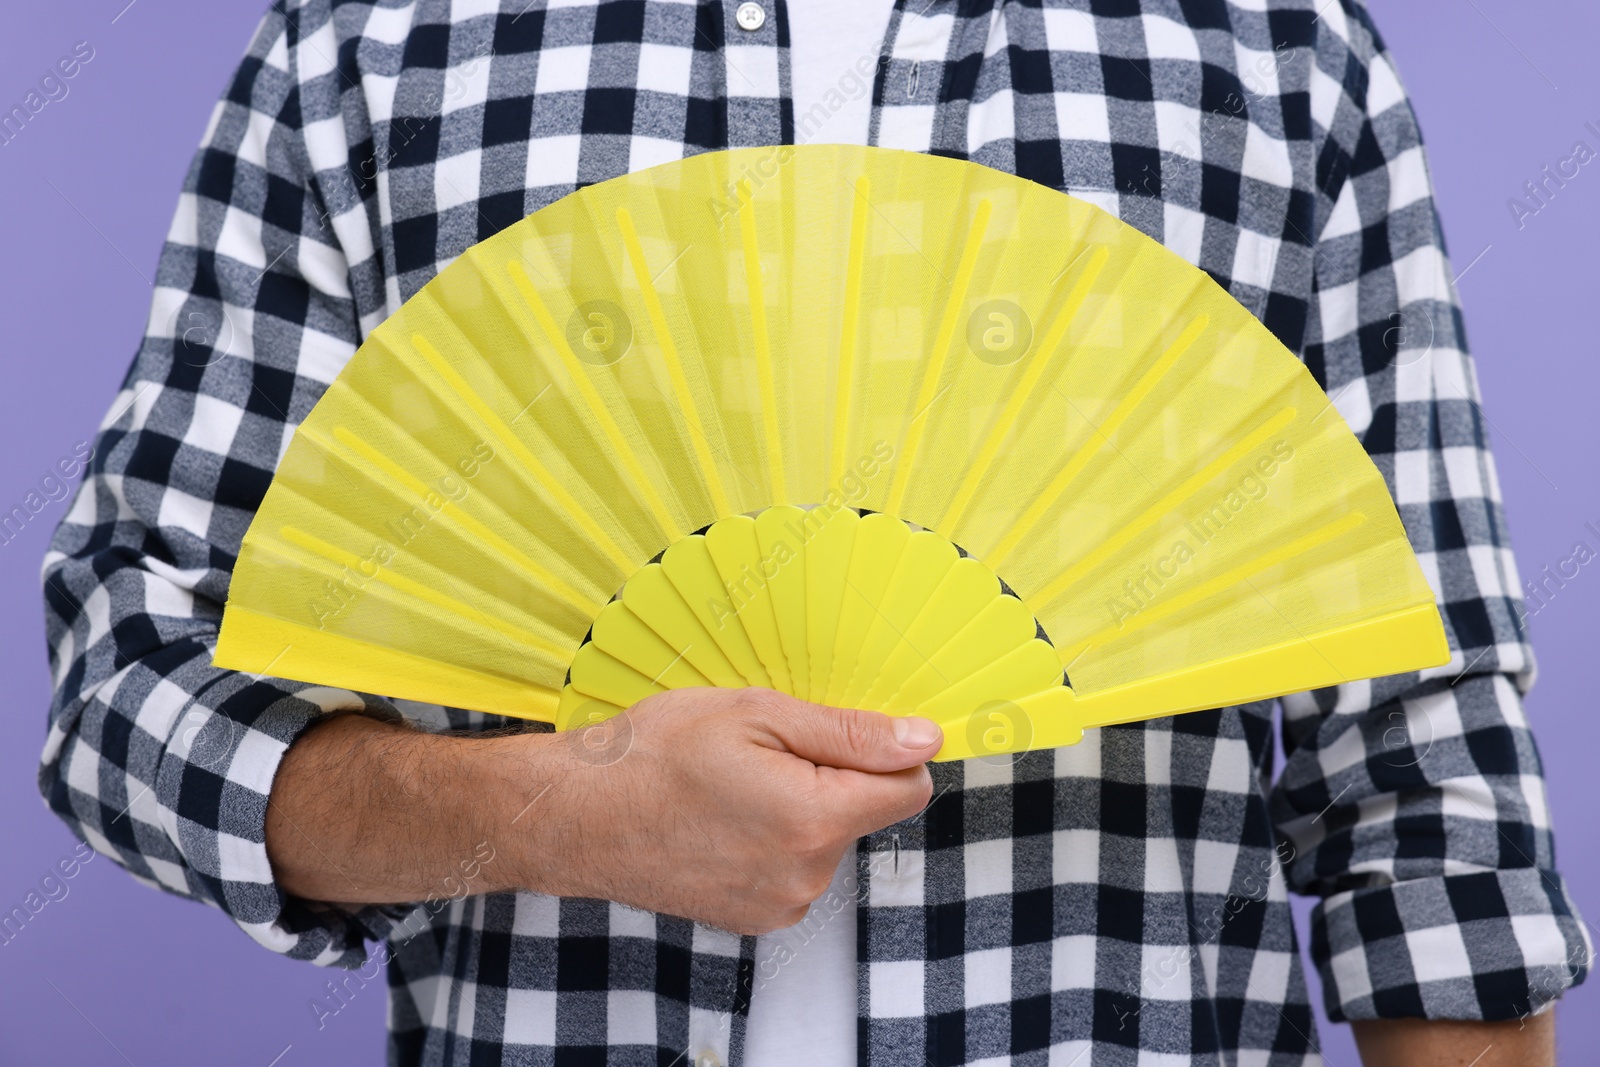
x: 650, y: 899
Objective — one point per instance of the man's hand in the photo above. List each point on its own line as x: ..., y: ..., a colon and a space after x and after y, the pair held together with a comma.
x: 729, y: 806
x: 734, y: 806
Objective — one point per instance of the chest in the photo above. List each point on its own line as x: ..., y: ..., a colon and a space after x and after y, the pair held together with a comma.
x: 1194, y: 125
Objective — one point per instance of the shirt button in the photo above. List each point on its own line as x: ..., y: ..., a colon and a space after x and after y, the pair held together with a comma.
x: 708, y: 1058
x: 749, y: 17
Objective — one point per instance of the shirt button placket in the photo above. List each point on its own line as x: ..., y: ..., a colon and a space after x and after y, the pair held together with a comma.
x: 754, y: 76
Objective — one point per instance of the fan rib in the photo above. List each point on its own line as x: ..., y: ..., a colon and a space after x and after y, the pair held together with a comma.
x: 787, y: 587
x: 763, y: 342
x: 693, y: 573
x: 736, y: 552
x: 571, y: 703
x: 851, y: 315
x: 912, y: 440
x: 963, y: 591
x: 1028, y: 669
x: 651, y: 596
x: 622, y: 635
x: 880, y: 544
x: 597, y: 406
x: 1001, y: 625
x: 601, y: 676
x: 827, y: 554
x: 1147, y: 518
x: 386, y: 470
x: 1024, y: 390
x: 1102, y: 434
x: 322, y: 552
x: 1393, y: 643
x: 268, y: 646
x: 502, y: 432
x: 925, y: 554
x: 1299, y: 546
x: 669, y: 353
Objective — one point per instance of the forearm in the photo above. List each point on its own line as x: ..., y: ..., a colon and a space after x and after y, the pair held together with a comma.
x: 369, y: 812
x: 1527, y: 1042
x: 727, y: 806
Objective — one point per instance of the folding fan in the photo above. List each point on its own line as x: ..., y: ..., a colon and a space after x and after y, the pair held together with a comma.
x: 874, y: 428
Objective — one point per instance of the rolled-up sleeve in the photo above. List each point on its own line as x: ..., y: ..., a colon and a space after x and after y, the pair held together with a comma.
x: 154, y: 756
x: 1415, y: 806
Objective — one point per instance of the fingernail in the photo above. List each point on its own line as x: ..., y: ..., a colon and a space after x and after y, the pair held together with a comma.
x: 914, y: 732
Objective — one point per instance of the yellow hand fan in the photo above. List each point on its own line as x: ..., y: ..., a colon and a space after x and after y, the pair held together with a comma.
x: 870, y: 427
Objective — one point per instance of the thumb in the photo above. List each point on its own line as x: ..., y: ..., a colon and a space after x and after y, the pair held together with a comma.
x: 853, y: 740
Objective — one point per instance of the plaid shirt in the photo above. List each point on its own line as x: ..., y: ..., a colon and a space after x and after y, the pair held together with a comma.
x: 1127, y: 895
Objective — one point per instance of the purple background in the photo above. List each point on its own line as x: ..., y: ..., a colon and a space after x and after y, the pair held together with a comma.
x: 86, y: 191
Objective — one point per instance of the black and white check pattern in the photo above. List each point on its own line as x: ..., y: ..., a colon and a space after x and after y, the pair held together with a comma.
x: 1126, y: 896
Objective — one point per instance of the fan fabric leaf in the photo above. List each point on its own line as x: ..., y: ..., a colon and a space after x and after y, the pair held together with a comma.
x: 1148, y: 491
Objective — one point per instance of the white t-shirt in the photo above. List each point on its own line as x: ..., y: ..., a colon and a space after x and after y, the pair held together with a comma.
x: 833, y: 57
x: 803, y: 1008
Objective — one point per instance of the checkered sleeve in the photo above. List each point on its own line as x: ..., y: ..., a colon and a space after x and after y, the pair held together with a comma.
x: 1414, y: 806
x: 154, y: 756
